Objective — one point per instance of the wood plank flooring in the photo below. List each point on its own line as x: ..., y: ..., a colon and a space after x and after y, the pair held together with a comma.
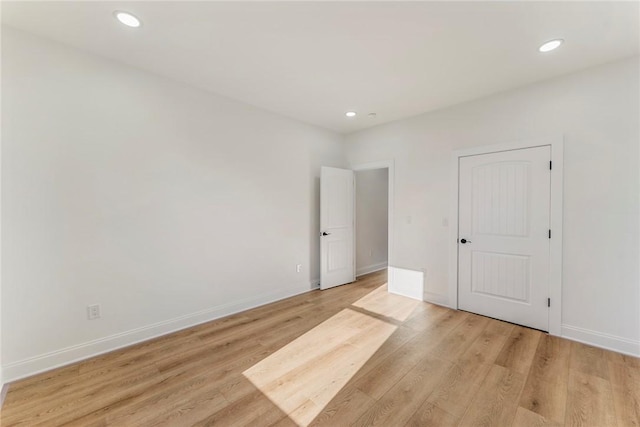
x: 352, y: 355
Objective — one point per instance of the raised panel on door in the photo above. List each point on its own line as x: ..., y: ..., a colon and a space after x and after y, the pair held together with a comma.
x: 504, y: 218
x: 501, y: 275
x: 500, y: 198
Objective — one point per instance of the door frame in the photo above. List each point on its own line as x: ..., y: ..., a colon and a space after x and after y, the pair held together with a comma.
x: 382, y: 164
x: 556, y: 197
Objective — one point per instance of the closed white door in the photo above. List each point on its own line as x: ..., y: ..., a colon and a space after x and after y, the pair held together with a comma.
x: 337, y: 261
x: 503, y: 242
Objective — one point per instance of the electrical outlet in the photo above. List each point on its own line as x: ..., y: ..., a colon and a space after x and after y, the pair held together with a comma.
x: 370, y: 252
x: 93, y: 311
x: 298, y: 268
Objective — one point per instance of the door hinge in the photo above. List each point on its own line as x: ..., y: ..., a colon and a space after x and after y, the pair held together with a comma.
x: 549, y: 233
x: 550, y: 165
x: 548, y: 302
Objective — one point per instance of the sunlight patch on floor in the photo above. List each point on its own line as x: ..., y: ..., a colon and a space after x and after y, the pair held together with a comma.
x: 305, y: 375
x: 389, y: 305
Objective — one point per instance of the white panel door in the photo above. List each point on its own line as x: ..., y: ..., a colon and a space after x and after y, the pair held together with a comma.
x: 503, y: 242
x: 337, y: 261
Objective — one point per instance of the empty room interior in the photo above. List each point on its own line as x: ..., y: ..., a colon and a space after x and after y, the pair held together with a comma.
x: 320, y: 213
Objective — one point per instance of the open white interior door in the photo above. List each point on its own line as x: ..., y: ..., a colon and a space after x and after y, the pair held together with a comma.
x: 337, y: 260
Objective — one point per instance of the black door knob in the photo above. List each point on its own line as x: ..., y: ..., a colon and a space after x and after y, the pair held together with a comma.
x: 324, y: 233
x: 463, y: 241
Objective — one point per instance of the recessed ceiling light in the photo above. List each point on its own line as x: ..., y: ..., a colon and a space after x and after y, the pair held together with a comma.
x: 350, y: 114
x: 127, y: 19
x: 372, y: 115
x: 550, y: 45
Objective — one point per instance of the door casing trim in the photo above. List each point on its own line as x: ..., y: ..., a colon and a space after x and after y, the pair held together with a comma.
x: 555, y: 265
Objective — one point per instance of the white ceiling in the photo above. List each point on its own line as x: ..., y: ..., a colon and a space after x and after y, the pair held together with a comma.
x: 315, y: 60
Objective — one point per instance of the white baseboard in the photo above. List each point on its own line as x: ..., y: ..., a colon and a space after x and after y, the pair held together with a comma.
x: 371, y: 268
x: 4, y: 389
x: 438, y: 299
x: 3, y: 394
x: 45, y: 362
x: 602, y: 340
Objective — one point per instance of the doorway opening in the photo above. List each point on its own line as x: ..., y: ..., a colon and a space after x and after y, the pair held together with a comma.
x: 338, y: 226
x: 372, y: 220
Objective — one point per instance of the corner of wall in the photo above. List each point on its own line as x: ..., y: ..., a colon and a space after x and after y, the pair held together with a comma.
x: 371, y: 268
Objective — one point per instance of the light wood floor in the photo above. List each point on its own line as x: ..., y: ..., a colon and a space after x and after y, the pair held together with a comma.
x: 352, y: 355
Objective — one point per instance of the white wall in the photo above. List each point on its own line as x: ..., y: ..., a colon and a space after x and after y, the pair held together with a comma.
x: 598, y: 112
x: 372, y: 204
x: 165, y: 204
